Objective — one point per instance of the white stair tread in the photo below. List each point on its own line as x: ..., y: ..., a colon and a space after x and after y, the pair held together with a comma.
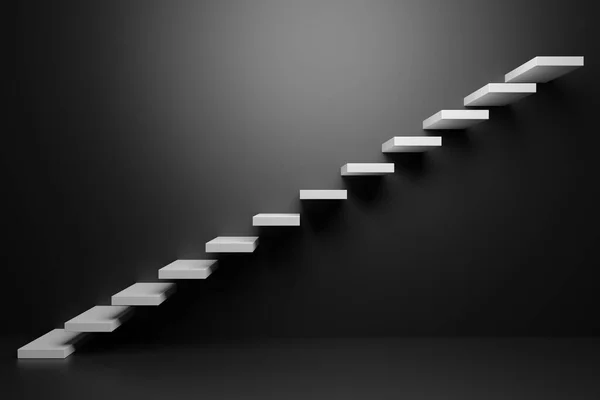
x: 309, y: 194
x: 455, y: 119
x: 232, y: 244
x: 99, y: 319
x: 144, y: 294
x: 188, y: 269
x: 359, y: 169
x: 276, y: 220
x: 405, y: 144
x: 543, y: 69
x: 57, y: 343
x: 499, y: 94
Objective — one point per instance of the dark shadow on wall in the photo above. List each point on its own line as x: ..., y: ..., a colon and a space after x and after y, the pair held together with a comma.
x: 415, y: 165
x: 276, y: 233
x: 147, y: 323
x: 558, y: 100
x: 502, y: 123
x: 457, y: 141
x: 278, y: 249
x: 367, y: 190
x: 322, y: 216
x: 277, y: 245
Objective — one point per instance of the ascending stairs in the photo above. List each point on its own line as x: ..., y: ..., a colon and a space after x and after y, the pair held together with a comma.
x: 519, y: 83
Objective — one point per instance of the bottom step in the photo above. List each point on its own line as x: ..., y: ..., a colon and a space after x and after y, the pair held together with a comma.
x: 58, y: 343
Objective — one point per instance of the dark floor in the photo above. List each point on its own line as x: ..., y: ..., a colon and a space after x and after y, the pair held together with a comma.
x: 391, y: 368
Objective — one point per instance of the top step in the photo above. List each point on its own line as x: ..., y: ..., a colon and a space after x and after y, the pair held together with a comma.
x: 543, y: 69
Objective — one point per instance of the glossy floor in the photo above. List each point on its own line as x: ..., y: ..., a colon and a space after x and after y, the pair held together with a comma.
x: 389, y: 368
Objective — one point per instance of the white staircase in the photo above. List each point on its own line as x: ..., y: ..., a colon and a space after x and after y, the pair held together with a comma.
x: 455, y: 119
x: 188, y: 269
x: 99, y: 319
x: 543, y: 69
x: 367, y: 169
x: 276, y: 220
x: 60, y: 343
x: 144, y: 294
x: 410, y: 144
x: 499, y: 94
x: 323, y: 194
x: 232, y: 244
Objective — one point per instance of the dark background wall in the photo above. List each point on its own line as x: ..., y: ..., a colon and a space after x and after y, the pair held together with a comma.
x: 142, y: 129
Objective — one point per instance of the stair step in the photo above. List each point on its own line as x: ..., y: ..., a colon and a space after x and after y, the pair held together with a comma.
x: 144, y: 294
x: 188, y: 269
x: 366, y: 169
x: 455, y: 119
x: 407, y: 144
x: 543, y: 69
x: 323, y: 194
x: 99, y: 319
x: 276, y: 220
x: 499, y: 94
x: 57, y: 343
x: 232, y: 244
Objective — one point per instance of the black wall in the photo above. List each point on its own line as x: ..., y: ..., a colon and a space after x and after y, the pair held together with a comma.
x: 143, y: 129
